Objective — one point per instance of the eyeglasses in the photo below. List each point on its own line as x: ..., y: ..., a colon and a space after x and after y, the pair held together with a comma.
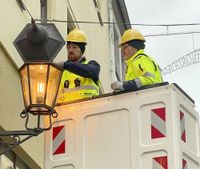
x: 124, y: 46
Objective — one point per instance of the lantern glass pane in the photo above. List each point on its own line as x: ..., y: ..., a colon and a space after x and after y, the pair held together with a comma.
x: 53, y: 85
x: 38, y: 76
x: 25, y: 86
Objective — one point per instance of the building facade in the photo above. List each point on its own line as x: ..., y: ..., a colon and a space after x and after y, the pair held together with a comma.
x: 101, y: 20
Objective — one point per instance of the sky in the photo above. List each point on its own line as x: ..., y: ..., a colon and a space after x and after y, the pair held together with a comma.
x: 166, y: 49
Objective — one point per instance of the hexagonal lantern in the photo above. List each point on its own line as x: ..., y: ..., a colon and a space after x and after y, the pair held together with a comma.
x: 38, y: 45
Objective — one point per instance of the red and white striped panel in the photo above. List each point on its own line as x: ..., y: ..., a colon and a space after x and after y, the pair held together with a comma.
x: 160, y: 162
x: 184, y: 164
x: 158, y: 123
x: 182, y: 121
x: 58, y: 140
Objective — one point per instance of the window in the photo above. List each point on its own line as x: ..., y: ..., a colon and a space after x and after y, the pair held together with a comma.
x: 119, y: 63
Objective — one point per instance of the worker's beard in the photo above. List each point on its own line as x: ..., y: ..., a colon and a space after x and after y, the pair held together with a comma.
x: 73, y: 57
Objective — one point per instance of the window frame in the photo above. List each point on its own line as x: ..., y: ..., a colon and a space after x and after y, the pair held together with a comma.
x: 117, y: 62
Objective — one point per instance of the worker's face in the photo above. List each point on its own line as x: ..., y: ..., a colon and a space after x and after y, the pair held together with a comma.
x: 73, y: 52
x: 127, y: 51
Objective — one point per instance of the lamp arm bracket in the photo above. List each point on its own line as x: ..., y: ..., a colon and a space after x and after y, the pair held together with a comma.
x: 17, y: 137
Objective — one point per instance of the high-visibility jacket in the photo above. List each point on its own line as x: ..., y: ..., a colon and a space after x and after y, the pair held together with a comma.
x: 74, y: 87
x: 141, y: 71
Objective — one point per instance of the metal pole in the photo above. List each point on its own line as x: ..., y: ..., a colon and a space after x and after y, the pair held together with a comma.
x: 43, y: 11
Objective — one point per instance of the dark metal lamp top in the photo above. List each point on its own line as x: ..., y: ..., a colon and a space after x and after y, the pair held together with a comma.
x: 39, y: 43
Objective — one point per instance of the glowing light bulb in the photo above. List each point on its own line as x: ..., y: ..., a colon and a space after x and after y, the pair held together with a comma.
x: 40, y: 87
x: 40, y: 93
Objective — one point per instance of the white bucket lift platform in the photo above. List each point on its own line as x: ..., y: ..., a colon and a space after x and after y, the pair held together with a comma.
x: 155, y: 128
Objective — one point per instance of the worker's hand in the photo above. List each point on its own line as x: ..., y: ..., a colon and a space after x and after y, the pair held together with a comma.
x: 117, y: 86
x: 60, y: 64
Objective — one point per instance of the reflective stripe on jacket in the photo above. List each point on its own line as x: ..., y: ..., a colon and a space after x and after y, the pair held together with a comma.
x: 143, y: 70
x: 74, y: 87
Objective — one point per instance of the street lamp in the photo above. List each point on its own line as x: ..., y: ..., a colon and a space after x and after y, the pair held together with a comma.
x: 40, y: 83
x: 37, y: 45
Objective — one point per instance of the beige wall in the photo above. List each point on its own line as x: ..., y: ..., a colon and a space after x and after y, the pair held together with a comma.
x: 12, y: 21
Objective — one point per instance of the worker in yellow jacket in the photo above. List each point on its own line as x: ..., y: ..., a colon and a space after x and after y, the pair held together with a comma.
x: 141, y: 70
x: 80, y: 78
